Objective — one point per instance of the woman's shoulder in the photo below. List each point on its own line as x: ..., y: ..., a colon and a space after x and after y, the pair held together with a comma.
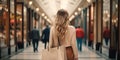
x: 71, y: 27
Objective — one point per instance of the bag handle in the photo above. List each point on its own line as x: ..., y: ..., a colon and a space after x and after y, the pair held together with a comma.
x: 58, y: 42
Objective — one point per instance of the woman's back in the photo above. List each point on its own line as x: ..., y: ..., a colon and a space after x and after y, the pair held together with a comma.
x: 64, y: 33
x: 69, y: 36
x: 70, y: 39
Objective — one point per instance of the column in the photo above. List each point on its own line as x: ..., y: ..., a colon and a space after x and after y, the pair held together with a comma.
x: 31, y: 19
x: 98, y: 24
x: 15, y: 4
x: 85, y: 24
x: 94, y: 17
x: 8, y: 28
x: 89, y: 25
x: 28, y: 26
x: 22, y: 3
x: 113, y: 44
x: 118, y: 56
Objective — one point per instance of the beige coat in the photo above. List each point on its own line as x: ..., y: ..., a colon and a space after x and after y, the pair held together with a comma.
x: 70, y: 39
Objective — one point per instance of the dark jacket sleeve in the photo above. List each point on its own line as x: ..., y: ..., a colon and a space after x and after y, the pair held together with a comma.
x: 38, y: 34
x: 43, y: 36
x: 30, y: 34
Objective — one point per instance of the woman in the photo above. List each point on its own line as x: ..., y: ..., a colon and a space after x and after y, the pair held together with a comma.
x: 64, y: 32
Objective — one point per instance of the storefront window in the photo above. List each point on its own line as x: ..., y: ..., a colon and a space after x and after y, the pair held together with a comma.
x: 106, y: 26
x: 12, y: 23
x: 4, y: 27
x: 19, y: 24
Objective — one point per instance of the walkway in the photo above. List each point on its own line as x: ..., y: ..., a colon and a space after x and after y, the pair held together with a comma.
x: 28, y: 54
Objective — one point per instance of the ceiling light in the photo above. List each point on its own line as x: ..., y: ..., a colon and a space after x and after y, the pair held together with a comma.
x: 116, y: 6
x: 30, y: 2
x: 48, y: 19
x: 89, y: 1
x: 76, y: 13
x: 43, y: 14
x: 71, y: 17
x: 37, y: 9
x: 45, y: 17
x: 79, y: 9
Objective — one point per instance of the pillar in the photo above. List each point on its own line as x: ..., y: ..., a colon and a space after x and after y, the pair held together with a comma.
x: 118, y: 54
x: 31, y: 19
x: 85, y: 24
x: 112, y: 49
x: 15, y: 11
x: 99, y: 4
x: 8, y: 28
x: 91, y: 22
x: 89, y: 25
x: 94, y: 17
x: 28, y: 26
x: 22, y: 3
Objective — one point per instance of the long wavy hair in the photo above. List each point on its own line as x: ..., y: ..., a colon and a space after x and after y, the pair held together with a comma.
x: 61, y: 23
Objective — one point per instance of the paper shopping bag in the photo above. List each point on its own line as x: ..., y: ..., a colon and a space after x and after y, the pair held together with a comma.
x: 54, y: 54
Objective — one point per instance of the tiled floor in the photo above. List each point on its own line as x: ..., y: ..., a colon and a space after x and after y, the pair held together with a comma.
x: 28, y: 54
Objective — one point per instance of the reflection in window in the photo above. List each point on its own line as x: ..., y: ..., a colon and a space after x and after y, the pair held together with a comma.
x: 114, y: 30
x: 106, y: 26
x: 106, y: 23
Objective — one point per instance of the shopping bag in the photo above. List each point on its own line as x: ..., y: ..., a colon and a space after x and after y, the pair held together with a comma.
x: 57, y: 53
x: 62, y: 53
x: 69, y: 53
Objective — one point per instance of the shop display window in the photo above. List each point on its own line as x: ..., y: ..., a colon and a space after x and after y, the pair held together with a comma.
x: 106, y: 27
x: 19, y: 28
x: 106, y: 24
x: 4, y: 27
x: 12, y: 23
x: 19, y: 23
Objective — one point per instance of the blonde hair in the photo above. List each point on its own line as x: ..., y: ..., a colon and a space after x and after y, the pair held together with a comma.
x: 61, y: 23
